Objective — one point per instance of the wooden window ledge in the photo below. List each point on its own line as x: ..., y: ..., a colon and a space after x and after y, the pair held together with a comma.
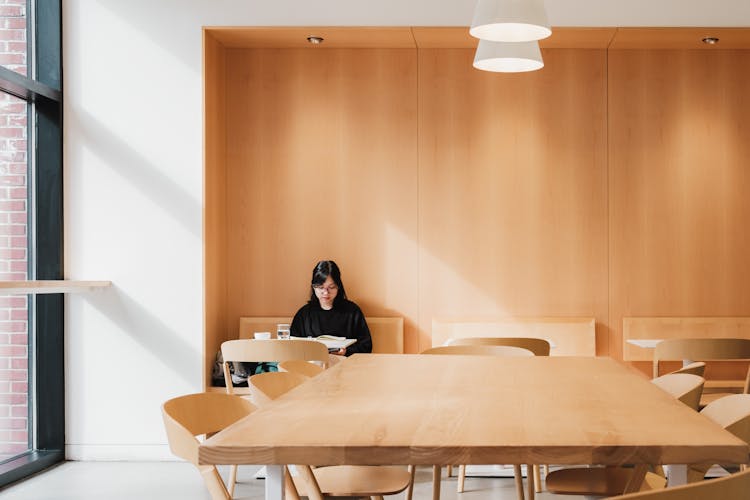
x: 50, y: 286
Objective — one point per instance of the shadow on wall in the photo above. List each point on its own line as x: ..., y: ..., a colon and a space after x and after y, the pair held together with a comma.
x: 150, y: 332
x: 137, y: 170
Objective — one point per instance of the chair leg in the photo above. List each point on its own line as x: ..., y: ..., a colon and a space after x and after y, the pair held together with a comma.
x: 289, y: 487
x: 311, y: 484
x: 436, y: 473
x: 519, y: 481
x: 449, y: 470
x: 531, y: 482
x: 410, y: 489
x: 232, y: 479
x: 376, y: 497
x: 537, y: 478
x: 461, y: 478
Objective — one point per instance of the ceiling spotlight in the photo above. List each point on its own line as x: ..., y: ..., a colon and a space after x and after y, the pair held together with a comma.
x: 315, y: 40
x: 710, y: 40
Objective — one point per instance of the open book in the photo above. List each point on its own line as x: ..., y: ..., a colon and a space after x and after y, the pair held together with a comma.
x: 333, y: 342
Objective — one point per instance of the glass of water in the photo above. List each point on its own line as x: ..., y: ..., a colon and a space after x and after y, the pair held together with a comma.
x: 282, y: 331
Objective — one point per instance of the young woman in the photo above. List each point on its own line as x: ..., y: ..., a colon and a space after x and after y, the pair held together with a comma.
x: 329, y: 312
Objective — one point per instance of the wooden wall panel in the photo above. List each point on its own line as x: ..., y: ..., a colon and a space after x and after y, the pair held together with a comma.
x: 321, y: 159
x: 214, y: 213
x: 512, y: 189
x: 678, y: 156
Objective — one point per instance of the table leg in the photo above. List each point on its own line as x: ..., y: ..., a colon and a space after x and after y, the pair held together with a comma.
x: 274, y: 482
x: 676, y: 474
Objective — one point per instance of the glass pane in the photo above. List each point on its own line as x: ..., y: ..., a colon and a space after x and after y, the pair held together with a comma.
x: 13, y: 46
x: 14, y: 254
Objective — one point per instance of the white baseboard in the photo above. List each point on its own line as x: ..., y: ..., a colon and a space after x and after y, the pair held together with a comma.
x: 119, y: 453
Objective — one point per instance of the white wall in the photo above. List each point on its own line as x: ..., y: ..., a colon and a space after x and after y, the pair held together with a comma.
x: 133, y: 186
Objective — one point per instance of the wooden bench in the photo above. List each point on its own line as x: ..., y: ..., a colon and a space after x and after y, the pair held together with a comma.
x: 568, y: 336
x: 387, y: 333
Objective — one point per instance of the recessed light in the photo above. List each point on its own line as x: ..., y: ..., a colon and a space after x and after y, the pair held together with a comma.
x: 710, y: 40
x: 315, y: 40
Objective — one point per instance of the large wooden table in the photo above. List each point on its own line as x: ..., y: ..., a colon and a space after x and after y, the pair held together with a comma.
x: 425, y: 410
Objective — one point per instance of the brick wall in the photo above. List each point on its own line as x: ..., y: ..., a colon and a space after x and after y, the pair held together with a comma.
x: 14, y: 404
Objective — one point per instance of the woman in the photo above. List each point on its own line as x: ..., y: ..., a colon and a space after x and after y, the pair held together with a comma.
x: 330, y: 313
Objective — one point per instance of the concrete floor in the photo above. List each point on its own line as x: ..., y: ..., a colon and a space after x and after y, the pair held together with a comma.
x: 178, y: 480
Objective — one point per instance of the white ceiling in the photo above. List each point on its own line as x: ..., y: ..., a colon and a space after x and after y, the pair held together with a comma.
x: 729, y: 13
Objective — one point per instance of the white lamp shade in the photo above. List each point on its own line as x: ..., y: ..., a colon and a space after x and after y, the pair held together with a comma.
x: 508, y: 57
x: 510, y: 21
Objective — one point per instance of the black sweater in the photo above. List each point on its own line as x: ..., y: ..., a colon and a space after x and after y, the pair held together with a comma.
x: 344, y: 320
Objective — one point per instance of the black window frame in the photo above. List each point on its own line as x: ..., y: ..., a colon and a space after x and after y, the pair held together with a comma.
x: 43, y: 90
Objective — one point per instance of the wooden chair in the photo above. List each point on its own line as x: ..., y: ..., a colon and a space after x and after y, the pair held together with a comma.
x: 609, y: 481
x: 252, y: 350
x: 265, y: 387
x: 300, y: 366
x: 480, y: 349
x: 732, y: 487
x: 539, y: 347
x: 685, y: 387
x: 335, y: 480
x: 697, y: 368
x: 733, y: 413
x: 187, y: 417
x: 707, y: 349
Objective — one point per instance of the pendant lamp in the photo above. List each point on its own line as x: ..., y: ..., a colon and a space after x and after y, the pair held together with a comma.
x: 508, y: 57
x: 510, y: 21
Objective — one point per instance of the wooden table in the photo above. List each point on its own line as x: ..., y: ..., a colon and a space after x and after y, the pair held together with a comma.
x: 425, y: 410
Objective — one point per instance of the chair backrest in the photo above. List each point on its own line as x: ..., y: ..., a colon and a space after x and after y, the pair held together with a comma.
x: 186, y: 417
x: 539, y: 347
x: 732, y: 413
x: 482, y: 350
x: 685, y: 387
x: 269, y: 350
x: 732, y: 487
x: 300, y: 366
x: 265, y: 387
x: 696, y: 349
x: 569, y: 336
x: 697, y: 368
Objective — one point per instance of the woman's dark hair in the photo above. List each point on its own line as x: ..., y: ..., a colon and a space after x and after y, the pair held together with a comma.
x: 321, y: 272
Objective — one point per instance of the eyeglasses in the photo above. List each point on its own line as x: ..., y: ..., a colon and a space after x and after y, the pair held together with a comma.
x: 321, y: 288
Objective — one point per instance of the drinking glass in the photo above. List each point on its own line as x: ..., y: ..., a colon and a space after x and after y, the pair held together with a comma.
x: 282, y: 331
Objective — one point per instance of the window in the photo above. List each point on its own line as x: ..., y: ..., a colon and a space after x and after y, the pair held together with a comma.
x: 31, y: 326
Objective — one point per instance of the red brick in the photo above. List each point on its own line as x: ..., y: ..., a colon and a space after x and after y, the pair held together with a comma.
x: 11, y: 34
x: 18, y: 218
x: 13, y: 180
x: 4, y: 411
x: 14, y: 375
x: 13, y: 326
x: 18, y: 145
x: 4, y: 314
x: 16, y: 193
x: 13, y: 448
x: 11, y: 301
x: 13, y: 206
x: 19, y: 314
x: 19, y: 436
x: 18, y: 23
x: 12, y: 276
x: 13, y: 399
x: 19, y: 364
x: 9, y: 59
x: 17, y: 120
x: 19, y: 338
x: 19, y: 388
x: 12, y: 229
x: 4, y: 217
x: 4, y: 363
x: 13, y: 350
x: 3, y: 267
x: 18, y: 266
x: 18, y: 242
x: 13, y: 46
x: 19, y: 411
